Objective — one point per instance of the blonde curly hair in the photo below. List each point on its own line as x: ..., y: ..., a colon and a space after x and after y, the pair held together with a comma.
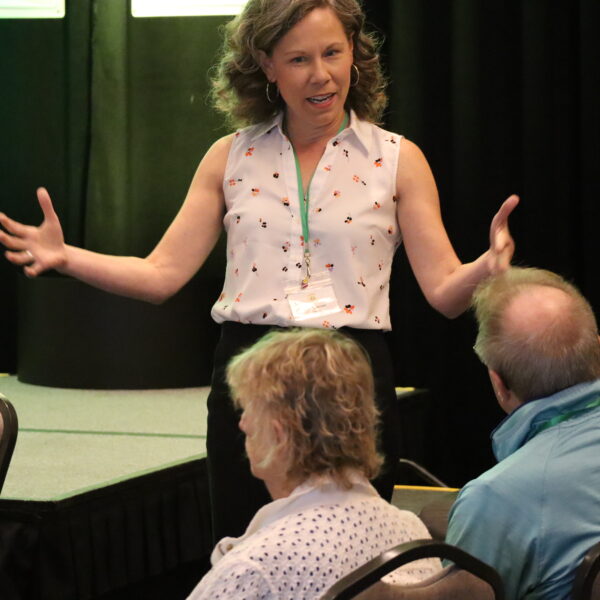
x: 238, y: 86
x: 319, y: 385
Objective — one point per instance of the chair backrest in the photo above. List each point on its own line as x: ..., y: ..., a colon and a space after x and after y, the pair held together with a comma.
x: 419, y: 472
x: 9, y: 427
x: 586, y: 585
x: 370, y: 573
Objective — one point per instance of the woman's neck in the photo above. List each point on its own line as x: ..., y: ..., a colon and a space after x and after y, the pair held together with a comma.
x: 281, y: 488
x: 303, y: 136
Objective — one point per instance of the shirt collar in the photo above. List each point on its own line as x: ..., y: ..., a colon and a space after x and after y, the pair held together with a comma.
x: 266, y: 127
x: 360, y: 129
x: 523, y: 424
x: 318, y: 489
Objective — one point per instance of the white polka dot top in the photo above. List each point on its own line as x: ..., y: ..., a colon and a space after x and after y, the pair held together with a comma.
x: 298, y: 547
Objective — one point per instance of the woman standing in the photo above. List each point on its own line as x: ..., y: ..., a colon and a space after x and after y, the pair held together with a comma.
x: 314, y: 197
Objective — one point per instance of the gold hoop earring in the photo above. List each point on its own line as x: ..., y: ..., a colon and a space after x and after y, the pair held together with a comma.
x: 357, y: 76
x: 271, y: 100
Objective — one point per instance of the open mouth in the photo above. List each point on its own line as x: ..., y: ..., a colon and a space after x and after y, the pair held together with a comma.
x: 320, y: 99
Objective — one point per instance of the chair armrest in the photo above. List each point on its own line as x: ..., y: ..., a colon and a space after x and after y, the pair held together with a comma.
x: 586, y: 574
x: 452, y: 584
x: 371, y: 572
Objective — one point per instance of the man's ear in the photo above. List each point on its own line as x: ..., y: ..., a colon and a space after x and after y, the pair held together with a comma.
x: 506, y: 398
x: 266, y: 64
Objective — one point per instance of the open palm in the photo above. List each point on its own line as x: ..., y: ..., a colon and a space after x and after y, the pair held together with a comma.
x: 36, y: 249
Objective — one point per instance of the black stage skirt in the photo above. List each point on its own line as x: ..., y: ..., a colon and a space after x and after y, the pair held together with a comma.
x: 235, y: 493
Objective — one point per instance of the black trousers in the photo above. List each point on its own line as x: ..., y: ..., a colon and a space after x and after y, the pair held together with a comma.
x: 235, y: 494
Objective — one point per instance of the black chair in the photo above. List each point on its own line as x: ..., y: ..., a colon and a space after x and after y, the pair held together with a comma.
x: 9, y: 427
x: 435, y: 513
x: 419, y: 472
x: 586, y: 585
x: 370, y: 573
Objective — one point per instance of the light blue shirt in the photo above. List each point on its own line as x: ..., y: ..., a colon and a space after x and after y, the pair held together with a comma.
x: 536, y: 513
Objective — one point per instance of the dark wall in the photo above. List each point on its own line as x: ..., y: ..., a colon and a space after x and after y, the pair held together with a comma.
x: 503, y: 97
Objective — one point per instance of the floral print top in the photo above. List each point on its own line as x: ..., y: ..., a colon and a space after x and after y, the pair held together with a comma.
x: 353, y: 226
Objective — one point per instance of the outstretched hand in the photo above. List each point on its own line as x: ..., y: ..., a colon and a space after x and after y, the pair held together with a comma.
x: 502, y: 245
x: 36, y: 249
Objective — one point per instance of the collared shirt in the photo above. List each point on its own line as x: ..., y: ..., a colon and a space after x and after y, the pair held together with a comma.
x: 298, y: 547
x: 352, y: 221
x: 537, y: 512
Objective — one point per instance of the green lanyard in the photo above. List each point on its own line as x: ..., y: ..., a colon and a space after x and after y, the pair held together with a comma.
x: 568, y: 415
x: 303, y: 199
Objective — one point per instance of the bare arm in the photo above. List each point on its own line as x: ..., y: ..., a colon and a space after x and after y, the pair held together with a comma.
x: 446, y: 282
x: 181, y: 252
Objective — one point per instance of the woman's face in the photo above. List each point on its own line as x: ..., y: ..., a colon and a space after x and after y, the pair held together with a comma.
x: 256, y: 442
x: 311, y: 65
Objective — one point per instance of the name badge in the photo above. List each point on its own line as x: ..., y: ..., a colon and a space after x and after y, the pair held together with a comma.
x: 316, y: 300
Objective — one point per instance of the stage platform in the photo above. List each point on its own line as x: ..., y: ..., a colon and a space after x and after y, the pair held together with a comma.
x: 107, y: 494
x: 106, y: 490
x: 72, y: 441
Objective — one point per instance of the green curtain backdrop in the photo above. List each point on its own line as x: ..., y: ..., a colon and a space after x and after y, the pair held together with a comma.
x: 109, y: 112
x: 151, y: 123
x: 44, y: 133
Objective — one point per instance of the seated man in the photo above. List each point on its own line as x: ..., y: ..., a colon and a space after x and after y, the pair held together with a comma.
x: 535, y: 514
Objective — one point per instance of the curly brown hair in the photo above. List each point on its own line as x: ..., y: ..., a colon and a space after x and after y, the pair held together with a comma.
x: 238, y: 87
x: 319, y: 385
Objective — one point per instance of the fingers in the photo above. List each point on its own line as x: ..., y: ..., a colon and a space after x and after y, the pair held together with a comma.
x: 503, y: 249
x: 20, y: 258
x: 501, y: 217
x: 23, y: 242
x: 32, y: 270
x: 12, y: 243
x: 501, y: 239
x: 13, y: 227
x: 509, y: 204
x: 503, y: 260
x: 499, y: 233
x: 25, y: 259
x: 46, y: 204
x: 502, y: 244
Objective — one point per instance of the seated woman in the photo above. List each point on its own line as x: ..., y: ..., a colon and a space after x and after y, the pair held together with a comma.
x: 310, y: 422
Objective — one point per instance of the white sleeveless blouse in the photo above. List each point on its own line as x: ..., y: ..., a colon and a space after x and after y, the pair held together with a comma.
x: 352, y: 219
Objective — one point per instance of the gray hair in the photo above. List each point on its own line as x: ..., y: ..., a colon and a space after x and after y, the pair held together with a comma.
x: 537, y: 360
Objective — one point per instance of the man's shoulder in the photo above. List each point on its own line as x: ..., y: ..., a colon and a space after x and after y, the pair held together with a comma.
x: 520, y: 465
x: 504, y: 485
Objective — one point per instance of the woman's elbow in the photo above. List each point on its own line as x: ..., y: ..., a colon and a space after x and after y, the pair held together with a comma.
x: 156, y: 299
x: 160, y: 285
x: 445, y: 306
x: 160, y: 295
